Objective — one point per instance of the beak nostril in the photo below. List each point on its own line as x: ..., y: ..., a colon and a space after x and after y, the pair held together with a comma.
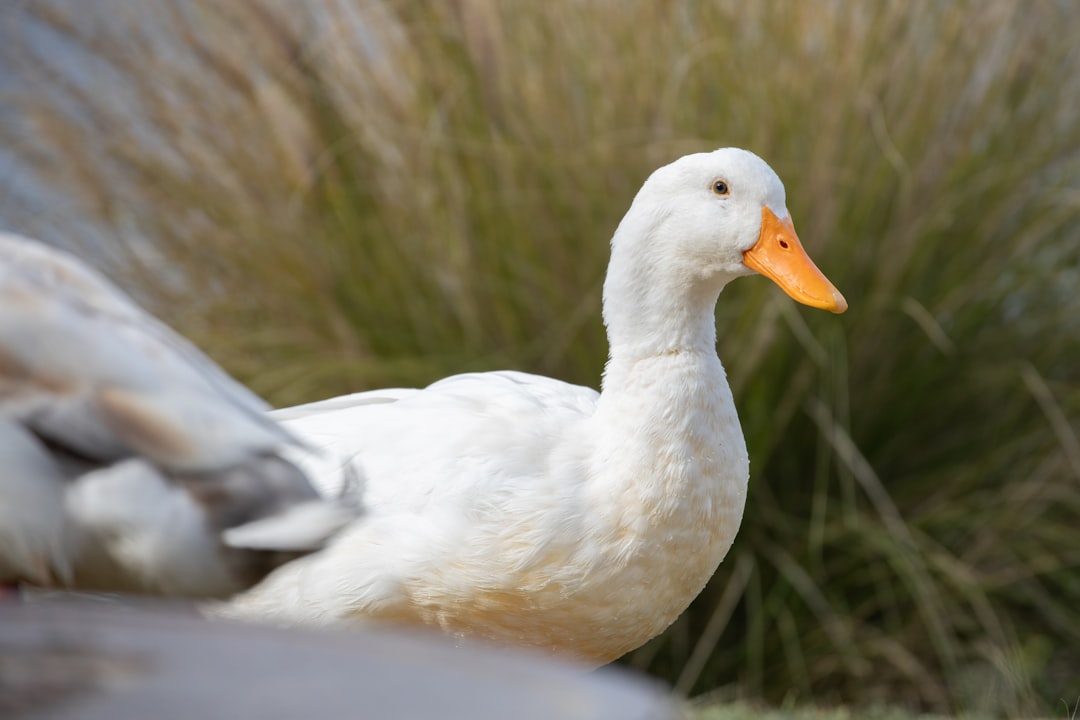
x: 783, y: 244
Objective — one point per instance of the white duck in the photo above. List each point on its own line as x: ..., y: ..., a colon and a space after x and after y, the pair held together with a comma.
x: 128, y: 460
x: 528, y: 511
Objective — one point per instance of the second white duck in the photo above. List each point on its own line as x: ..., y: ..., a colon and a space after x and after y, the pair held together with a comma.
x: 129, y: 461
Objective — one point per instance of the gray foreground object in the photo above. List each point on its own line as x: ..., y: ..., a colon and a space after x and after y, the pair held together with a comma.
x: 71, y: 659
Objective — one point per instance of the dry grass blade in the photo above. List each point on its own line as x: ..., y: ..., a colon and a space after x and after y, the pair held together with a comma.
x: 1063, y: 429
x: 707, y: 642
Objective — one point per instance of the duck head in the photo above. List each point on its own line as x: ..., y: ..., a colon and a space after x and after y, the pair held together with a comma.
x: 719, y: 215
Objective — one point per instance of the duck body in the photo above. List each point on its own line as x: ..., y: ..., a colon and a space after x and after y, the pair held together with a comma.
x: 528, y: 511
x: 584, y: 544
x: 129, y: 461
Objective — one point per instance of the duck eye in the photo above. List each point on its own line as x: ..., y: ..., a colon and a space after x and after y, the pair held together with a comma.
x: 721, y: 188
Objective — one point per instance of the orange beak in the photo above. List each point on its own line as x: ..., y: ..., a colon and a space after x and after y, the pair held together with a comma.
x: 779, y: 256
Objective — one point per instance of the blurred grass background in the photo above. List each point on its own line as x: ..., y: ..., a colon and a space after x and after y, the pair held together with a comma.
x: 334, y: 196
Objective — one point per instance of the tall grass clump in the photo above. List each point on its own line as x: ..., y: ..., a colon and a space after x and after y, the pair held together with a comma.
x: 341, y: 195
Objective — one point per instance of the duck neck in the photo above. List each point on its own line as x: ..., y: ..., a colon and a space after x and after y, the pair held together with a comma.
x: 673, y: 439
x: 654, y: 307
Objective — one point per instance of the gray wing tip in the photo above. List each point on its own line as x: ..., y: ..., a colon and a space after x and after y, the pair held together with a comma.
x: 306, y: 527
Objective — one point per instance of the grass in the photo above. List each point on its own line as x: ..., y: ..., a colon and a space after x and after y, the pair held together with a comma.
x: 329, y: 197
x: 745, y: 711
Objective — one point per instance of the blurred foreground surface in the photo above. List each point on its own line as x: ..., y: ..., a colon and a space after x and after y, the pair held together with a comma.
x: 74, y: 659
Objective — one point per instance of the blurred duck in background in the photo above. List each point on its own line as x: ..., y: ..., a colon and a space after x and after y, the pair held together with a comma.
x: 129, y: 461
